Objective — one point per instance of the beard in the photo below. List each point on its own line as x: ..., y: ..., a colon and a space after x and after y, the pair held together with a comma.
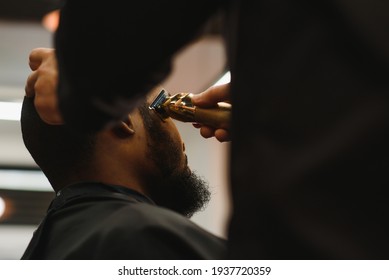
x: 185, y: 193
x: 178, y: 188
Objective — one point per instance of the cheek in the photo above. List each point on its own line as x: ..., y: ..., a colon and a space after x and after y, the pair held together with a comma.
x: 172, y: 130
x: 177, y: 143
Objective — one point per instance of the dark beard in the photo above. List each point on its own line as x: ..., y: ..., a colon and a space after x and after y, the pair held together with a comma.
x: 178, y: 189
x: 185, y: 193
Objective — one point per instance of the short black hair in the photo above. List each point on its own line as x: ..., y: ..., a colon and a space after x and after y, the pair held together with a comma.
x: 57, y: 149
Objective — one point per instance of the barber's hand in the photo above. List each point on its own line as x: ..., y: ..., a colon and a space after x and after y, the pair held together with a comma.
x: 42, y: 83
x: 210, y: 98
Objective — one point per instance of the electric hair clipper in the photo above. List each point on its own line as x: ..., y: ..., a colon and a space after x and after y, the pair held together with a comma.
x: 180, y: 107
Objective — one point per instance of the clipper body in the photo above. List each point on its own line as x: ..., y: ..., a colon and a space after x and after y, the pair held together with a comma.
x: 181, y: 108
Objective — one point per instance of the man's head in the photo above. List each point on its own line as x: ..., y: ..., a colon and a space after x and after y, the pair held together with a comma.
x: 142, y: 153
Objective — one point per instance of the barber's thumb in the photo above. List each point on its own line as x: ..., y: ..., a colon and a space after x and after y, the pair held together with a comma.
x: 200, y: 100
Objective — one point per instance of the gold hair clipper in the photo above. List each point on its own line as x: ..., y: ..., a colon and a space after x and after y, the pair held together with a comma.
x: 181, y: 108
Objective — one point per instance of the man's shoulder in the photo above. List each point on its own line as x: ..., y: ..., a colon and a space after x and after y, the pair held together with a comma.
x: 138, y: 218
x: 142, y: 214
x: 129, y: 214
x: 116, y: 228
x: 157, y: 232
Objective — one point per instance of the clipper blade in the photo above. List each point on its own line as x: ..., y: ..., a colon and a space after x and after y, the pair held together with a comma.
x: 180, y: 107
x: 157, y: 104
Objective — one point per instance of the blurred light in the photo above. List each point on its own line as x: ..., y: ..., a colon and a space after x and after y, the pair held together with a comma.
x: 224, y: 80
x: 2, y: 207
x: 27, y: 180
x: 10, y: 111
x: 51, y: 21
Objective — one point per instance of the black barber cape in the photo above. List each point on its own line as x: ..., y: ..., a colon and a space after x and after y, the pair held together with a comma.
x: 97, y: 221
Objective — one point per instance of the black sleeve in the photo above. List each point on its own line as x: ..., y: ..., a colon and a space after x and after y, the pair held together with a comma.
x: 111, y: 55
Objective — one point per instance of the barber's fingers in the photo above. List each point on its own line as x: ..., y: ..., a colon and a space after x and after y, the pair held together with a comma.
x: 30, y: 84
x: 37, y: 55
x: 46, y: 102
x: 212, y: 96
x: 206, y: 131
x: 46, y: 99
x: 48, y: 110
x: 222, y: 135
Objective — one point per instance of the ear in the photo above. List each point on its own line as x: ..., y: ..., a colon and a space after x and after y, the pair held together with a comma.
x: 125, y: 128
